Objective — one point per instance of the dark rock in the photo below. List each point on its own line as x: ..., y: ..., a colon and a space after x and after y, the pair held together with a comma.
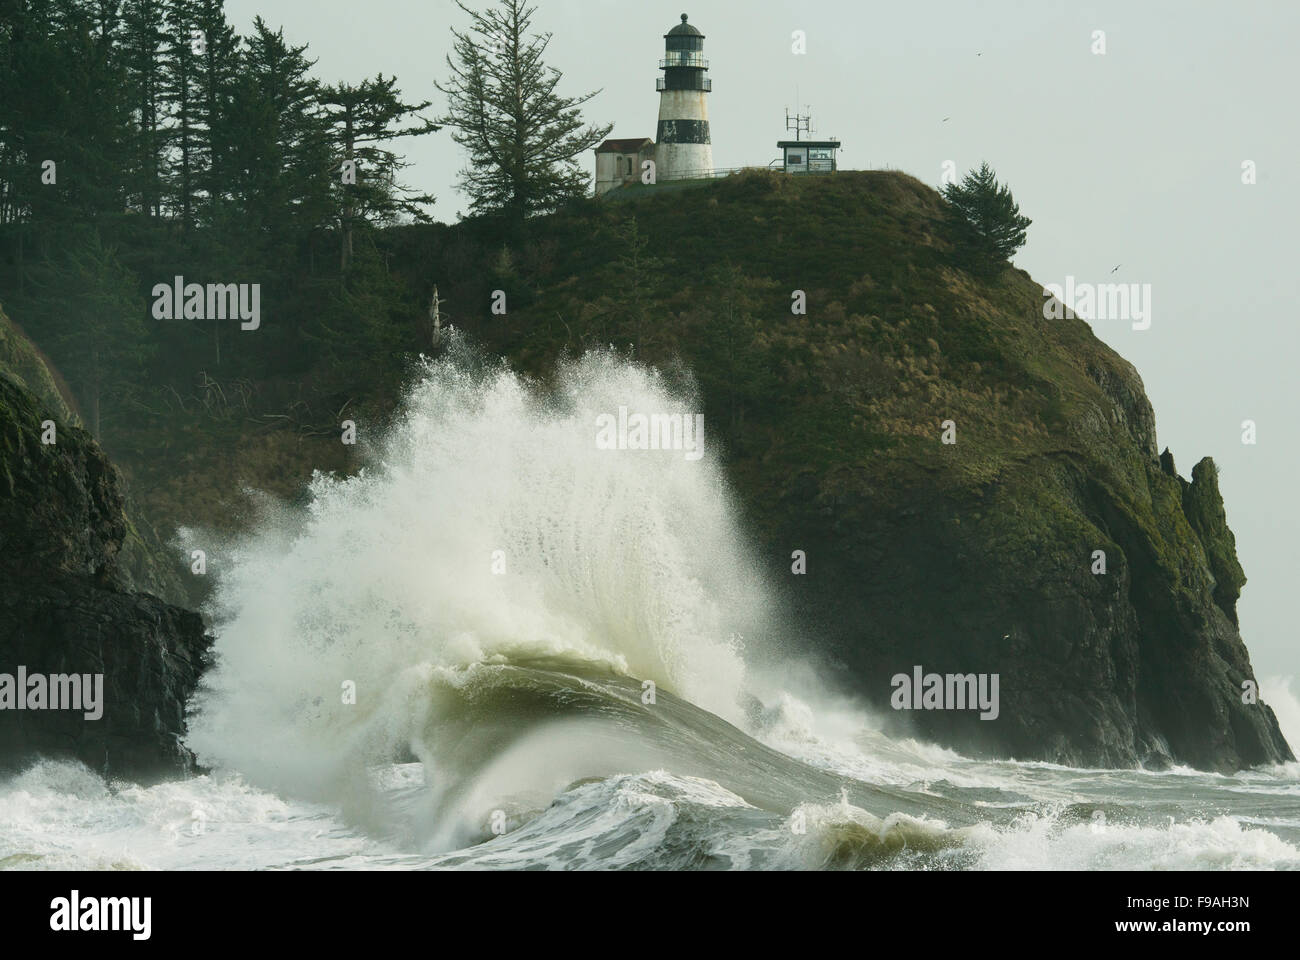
x: 66, y: 607
x: 1203, y: 505
x: 150, y: 654
x: 1142, y: 665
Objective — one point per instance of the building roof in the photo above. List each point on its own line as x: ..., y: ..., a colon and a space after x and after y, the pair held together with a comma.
x: 683, y: 29
x: 624, y: 146
x: 808, y: 143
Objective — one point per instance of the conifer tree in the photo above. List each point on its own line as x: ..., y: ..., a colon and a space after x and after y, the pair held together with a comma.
x: 734, y: 369
x: 65, y: 101
x: 144, y: 39
x: 91, y: 318
x: 179, y: 92
x: 215, y: 67
x: 278, y: 138
x: 25, y: 53
x: 987, y: 217
x: 361, y: 118
x: 639, y: 272
x: 522, y: 137
x: 371, y: 310
x: 202, y: 61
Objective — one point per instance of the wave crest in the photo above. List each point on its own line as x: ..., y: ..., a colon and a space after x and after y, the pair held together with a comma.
x: 486, y: 527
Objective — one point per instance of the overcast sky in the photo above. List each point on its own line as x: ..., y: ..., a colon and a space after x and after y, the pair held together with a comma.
x: 1131, y: 158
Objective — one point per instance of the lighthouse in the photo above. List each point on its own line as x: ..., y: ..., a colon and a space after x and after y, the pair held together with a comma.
x: 684, y: 150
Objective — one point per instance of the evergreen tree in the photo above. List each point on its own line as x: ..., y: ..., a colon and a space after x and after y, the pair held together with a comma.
x: 523, y: 138
x: 202, y: 61
x: 734, y: 367
x: 639, y: 273
x: 360, y: 328
x: 987, y: 218
x: 64, y: 100
x: 215, y: 67
x: 91, y: 317
x: 279, y: 162
x: 361, y: 118
x: 143, y: 42
x: 24, y: 44
x: 96, y: 136
x: 180, y: 86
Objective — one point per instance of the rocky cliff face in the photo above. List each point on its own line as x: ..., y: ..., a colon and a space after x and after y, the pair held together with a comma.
x: 979, y: 556
x: 1140, y: 665
x: 66, y: 608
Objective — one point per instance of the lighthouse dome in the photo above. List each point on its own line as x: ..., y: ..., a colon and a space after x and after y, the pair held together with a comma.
x: 683, y: 29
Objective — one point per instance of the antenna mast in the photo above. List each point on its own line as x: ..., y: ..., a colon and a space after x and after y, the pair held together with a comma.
x: 797, y: 123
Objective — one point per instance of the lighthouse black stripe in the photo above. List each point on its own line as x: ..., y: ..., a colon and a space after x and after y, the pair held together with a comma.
x: 684, y: 131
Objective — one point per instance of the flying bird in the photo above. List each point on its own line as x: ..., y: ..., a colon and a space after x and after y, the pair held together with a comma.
x: 1117, y: 266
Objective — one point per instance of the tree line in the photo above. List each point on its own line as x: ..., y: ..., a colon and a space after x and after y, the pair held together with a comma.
x: 146, y: 139
x: 157, y: 108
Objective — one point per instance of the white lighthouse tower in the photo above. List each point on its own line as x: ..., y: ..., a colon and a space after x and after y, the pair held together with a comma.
x: 683, y: 150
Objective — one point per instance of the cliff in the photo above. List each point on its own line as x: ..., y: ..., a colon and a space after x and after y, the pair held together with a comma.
x: 67, y: 604
x: 971, y: 557
x: 974, y: 557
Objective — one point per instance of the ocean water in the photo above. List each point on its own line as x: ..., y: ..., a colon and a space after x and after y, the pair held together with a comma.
x: 501, y: 647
